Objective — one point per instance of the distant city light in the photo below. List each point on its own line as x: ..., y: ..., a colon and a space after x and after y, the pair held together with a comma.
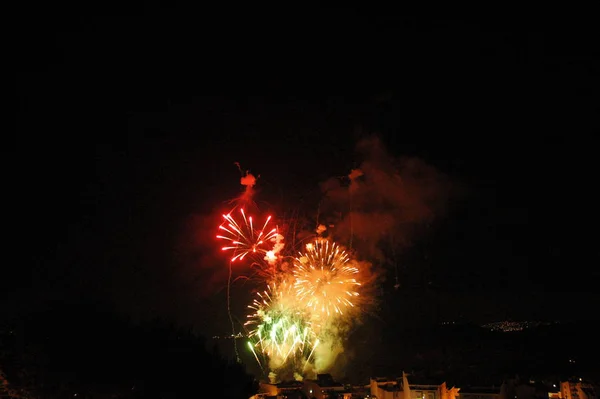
x: 508, y: 326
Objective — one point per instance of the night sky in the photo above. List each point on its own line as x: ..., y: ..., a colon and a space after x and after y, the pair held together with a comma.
x: 129, y: 128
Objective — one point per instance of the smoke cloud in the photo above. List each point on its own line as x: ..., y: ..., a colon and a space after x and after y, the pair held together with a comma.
x: 248, y: 180
x: 385, y: 202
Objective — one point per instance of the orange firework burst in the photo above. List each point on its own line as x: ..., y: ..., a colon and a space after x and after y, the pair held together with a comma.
x: 325, y: 280
x: 243, y: 239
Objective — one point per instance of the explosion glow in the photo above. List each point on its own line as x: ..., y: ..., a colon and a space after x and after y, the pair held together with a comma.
x: 324, y: 279
x: 294, y: 314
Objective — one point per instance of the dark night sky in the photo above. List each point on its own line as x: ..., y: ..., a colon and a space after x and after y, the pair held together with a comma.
x: 129, y: 127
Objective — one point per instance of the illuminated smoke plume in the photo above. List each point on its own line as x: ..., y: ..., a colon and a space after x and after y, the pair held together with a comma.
x: 385, y: 201
x: 272, y: 256
x: 320, y: 229
x: 331, y: 346
x: 248, y: 180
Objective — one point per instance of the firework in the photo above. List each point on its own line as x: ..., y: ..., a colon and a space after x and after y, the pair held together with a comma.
x: 291, y: 326
x: 325, y: 280
x: 280, y: 329
x: 242, y: 237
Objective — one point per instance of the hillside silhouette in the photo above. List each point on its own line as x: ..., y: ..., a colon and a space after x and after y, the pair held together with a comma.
x: 87, y: 349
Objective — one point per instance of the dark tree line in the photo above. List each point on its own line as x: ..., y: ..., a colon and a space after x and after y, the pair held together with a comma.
x: 87, y: 350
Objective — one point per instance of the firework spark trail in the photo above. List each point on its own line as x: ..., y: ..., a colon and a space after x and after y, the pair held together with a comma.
x: 281, y: 331
x: 325, y: 280
x: 237, y: 354
x: 243, y: 238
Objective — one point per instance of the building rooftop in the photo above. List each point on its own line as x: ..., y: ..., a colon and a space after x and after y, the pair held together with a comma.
x: 290, y: 384
x: 479, y: 390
